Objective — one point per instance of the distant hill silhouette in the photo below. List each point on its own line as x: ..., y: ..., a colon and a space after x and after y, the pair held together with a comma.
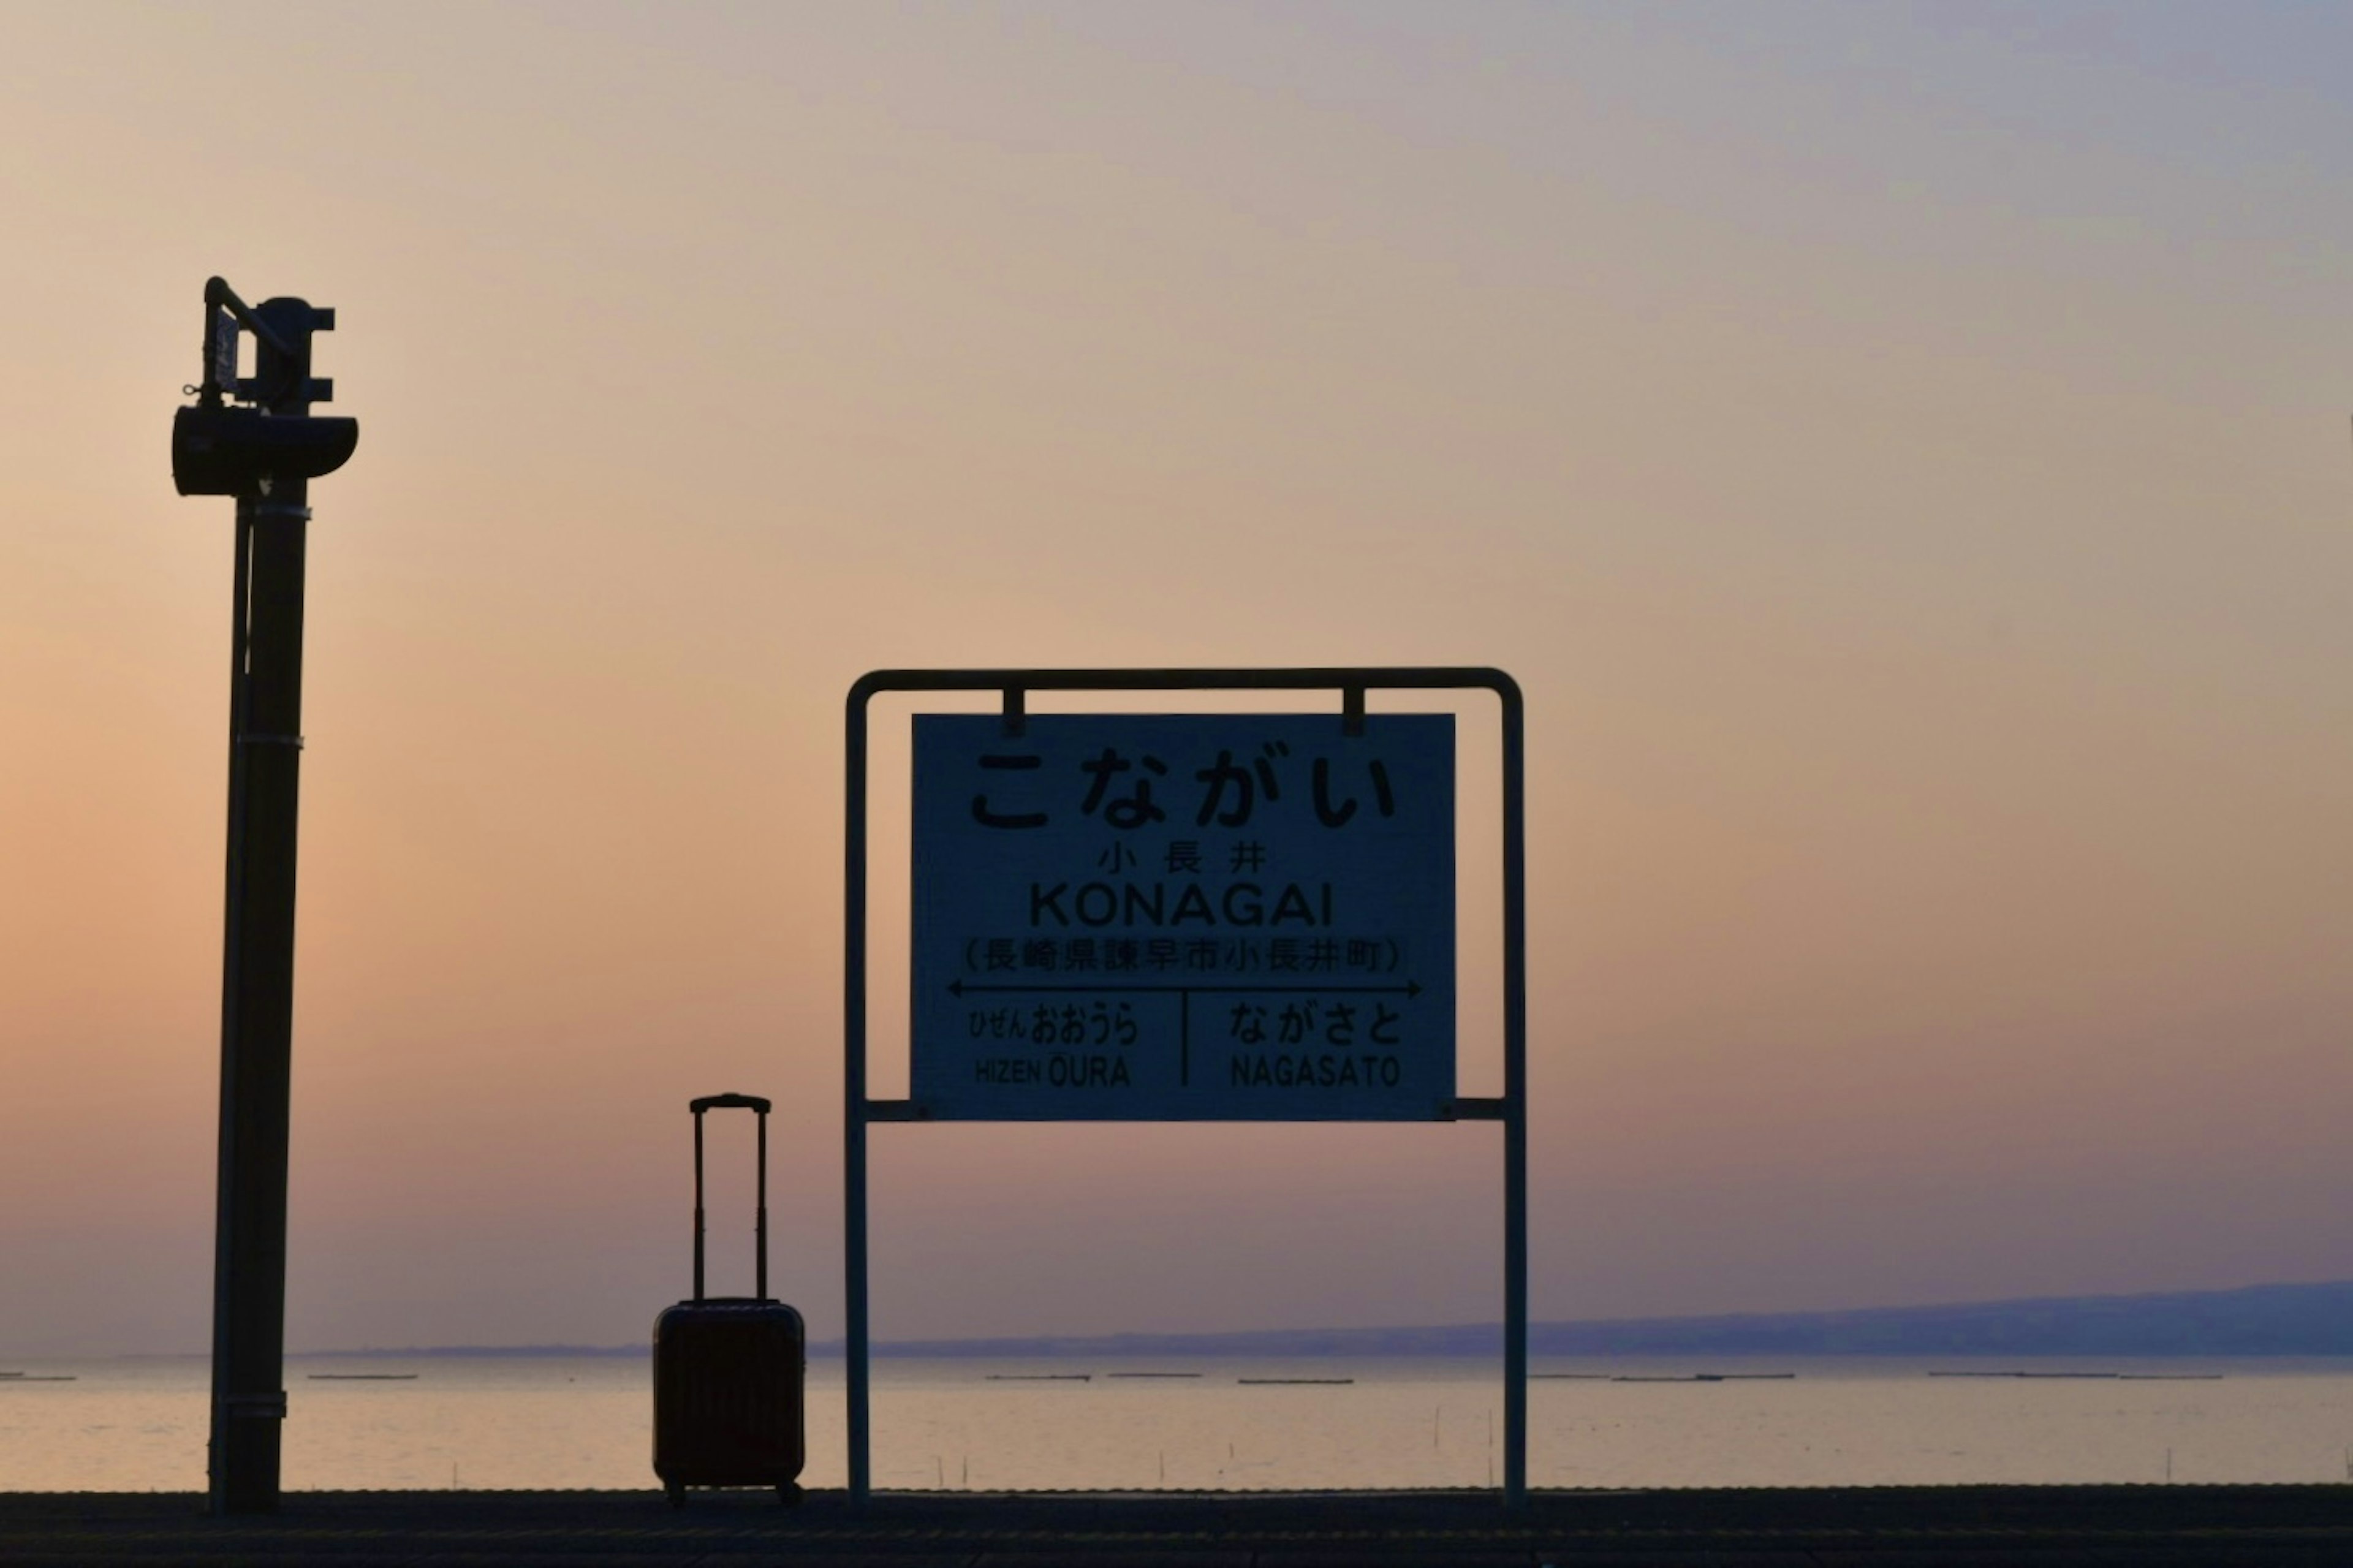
x: 2263, y: 1320
x: 2313, y: 1319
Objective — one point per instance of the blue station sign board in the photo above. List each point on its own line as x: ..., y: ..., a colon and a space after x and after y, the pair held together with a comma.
x: 1196, y: 917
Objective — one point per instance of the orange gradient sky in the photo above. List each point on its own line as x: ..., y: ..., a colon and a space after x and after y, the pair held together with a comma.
x: 1902, y: 455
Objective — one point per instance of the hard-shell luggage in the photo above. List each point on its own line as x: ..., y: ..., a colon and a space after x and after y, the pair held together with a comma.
x: 729, y: 1370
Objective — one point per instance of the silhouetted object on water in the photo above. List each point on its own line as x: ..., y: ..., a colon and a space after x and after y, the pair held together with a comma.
x: 1287, y: 1382
x: 1038, y: 1377
x: 363, y: 1377
x: 2096, y: 1376
x: 1693, y: 1377
x: 730, y: 1370
x: 254, y: 438
x: 1686, y: 1377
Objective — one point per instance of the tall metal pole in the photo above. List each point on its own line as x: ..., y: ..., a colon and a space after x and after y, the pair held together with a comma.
x: 248, y: 1398
x: 258, y: 1015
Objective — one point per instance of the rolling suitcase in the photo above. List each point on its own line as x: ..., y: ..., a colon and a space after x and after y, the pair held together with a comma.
x: 728, y: 1370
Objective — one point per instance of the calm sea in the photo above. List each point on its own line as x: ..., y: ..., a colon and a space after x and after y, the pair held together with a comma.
x: 484, y: 1421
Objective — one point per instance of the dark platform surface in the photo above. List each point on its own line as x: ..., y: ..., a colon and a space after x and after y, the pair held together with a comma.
x: 1915, y: 1527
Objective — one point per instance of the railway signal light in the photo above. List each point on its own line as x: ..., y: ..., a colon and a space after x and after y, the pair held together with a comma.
x: 255, y: 437
x: 245, y: 436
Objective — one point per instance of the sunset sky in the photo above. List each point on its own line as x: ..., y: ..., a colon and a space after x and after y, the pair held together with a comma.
x: 1903, y: 453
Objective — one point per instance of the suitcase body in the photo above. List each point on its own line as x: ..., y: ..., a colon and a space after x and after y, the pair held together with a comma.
x: 729, y: 1370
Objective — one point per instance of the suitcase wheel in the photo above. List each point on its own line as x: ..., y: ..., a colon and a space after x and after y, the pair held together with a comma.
x: 677, y: 1494
x: 789, y: 1494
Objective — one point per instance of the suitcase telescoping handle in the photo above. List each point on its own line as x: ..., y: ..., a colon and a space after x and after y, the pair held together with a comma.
x: 760, y: 1225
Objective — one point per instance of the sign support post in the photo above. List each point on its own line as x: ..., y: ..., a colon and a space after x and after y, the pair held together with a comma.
x: 1515, y: 1103
x: 1391, y: 1050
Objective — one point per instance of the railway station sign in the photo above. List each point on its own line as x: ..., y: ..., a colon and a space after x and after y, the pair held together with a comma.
x: 1189, y: 917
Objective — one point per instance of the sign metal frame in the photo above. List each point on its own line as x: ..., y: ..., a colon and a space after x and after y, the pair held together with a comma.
x: 1352, y: 684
